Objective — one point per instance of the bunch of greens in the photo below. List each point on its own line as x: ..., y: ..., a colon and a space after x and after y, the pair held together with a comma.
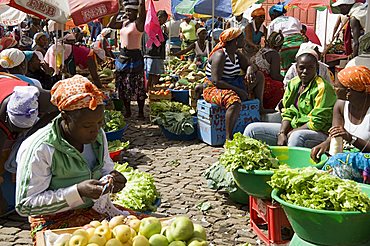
x: 166, y: 106
x: 247, y: 153
x: 316, y: 189
x: 139, y: 193
x: 113, y: 120
x: 176, y: 123
x: 117, y: 145
x: 218, y: 178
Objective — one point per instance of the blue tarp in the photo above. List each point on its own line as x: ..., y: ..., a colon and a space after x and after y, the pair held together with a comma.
x: 222, y: 7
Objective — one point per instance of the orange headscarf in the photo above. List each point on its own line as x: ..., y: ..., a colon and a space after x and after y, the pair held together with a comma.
x: 258, y: 12
x: 226, y: 36
x: 357, y: 78
x: 76, y: 93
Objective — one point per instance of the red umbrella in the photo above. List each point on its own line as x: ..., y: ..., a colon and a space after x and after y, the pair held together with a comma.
x: 81, y: 11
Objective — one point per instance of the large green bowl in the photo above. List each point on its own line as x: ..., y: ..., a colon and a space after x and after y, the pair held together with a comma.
x: 329, y: 228
x: 255, y: 182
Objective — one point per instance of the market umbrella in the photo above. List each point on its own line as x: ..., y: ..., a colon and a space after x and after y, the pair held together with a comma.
x: 10, y: 16
x: 81, y: 11
x: 221, y: 8
x: 306, y: 4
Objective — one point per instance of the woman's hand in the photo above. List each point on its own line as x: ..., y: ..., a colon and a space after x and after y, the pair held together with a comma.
x: 282, y: 139
x: 91, y: 188
x: 319, y: 150
x: 339, y: 131
x: 119, y: 181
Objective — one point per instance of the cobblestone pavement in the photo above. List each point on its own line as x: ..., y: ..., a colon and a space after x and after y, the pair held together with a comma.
x: 177, y: 168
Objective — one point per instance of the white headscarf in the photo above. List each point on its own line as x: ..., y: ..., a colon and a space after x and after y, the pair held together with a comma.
x: 308, y: 48
x: 22, y: 107
x: 36, y: 37
x: 12, y: 57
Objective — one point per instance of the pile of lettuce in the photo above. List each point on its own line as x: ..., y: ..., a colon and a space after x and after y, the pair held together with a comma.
x: 167, y: 106
x: 316, y: 189
x: 140, y: 193
x: 114, y: 120
x: 247, y: 153
x: 117, y: 145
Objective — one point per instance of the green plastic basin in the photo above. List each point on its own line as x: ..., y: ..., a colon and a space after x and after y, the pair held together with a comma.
x: 323, y: 227
x: 255, y: 182
x: 239, y: 196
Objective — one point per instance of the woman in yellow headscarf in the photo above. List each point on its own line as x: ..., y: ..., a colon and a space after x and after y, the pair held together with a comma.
x: 351, y: 115
x: 226, y: 86
x: 60, y: 165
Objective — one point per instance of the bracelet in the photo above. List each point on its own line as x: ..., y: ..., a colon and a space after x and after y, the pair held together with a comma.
x: 354, y: 139
x: 281, y: 132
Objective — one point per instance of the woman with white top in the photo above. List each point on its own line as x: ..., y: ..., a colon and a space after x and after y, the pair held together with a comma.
x: 291, y: 28
x: 201, y: 47
x: 351, y: 115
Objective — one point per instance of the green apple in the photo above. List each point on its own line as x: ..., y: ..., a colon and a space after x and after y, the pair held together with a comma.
x: 90, y: 231
x: 135, y: 224
x: 81, y: 232
x: 168, y: 234
x: 104, y: 230
x: 133, y: 233
x: 199, y: 232
x: 93, y: 244
x: 177, y: 243
x: 63, y: 240
x: 140, y: 240
x: 113, y: 242
x: 95, y: 223
x: 122, y: 233
x: 158, y: 240
x: 98, y: 239
x: 150, y: 226
x: 197, y: 242
x: 182, y: 228
x: 78, y: 240
x: 116, y: 220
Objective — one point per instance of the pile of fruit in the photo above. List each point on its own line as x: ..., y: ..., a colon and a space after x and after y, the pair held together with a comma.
x: 161, y: 92
x: 130, y: 231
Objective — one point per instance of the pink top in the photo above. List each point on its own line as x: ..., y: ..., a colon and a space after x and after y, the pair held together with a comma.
x: 80, y: 55
x: 130, y: 36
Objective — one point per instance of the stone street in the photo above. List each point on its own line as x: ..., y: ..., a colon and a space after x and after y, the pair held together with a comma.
x: 177, y: 168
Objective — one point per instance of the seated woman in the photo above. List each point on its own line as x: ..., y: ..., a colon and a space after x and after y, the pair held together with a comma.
x: 307, y: 110
x: 255, y: 30
x: 225, y: 87
x: 201, y: 47
x: 268, y: 61
x: 75, y: 56
x: 40, y: 42
x: 351, y: 115
x: 20, y: 107
x: 39, y: 70
x: 60, y: 165
x: 15, y: 63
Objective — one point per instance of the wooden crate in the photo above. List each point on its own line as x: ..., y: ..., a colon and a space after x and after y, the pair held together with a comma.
x: 40, y: 236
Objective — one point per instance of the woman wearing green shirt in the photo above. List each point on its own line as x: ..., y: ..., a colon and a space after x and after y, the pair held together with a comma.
x: 307, y: 110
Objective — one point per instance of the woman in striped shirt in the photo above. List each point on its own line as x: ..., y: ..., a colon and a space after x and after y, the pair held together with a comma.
x: 225, y: 86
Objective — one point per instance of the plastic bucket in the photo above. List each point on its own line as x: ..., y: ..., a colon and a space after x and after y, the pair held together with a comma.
x: 323, y: 227
x: 116, y: 135
x: 254, y: 182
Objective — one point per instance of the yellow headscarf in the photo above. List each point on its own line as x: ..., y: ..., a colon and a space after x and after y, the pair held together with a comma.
x: 226, y: 36
x: 76, y: 93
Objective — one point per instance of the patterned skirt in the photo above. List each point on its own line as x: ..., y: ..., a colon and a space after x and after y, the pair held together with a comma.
x: 273, y: 93
x: 289, y: 50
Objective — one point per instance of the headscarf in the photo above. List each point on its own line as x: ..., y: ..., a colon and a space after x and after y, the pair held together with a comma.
x: 199, y: 30
x: 105, y: 31
x: 258, y: 12
x: 307, y: 48
x: 276, y: 39
x: 357, y: 78
x: 226, y: 36
x: 76, y: 93
x: 29, y: 55
x: 22, y: 107
x: 7, y: 42
x: 36, y: 37
x: 11, y: 58
x: 69, y: 37
x: 278, y: 8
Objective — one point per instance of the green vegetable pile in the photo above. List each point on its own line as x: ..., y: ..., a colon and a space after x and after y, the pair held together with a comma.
x: 247, y: 153
x: 316, y: 189
x: 117, y: 145
x: 218, y: 178
x: 139, y: 193
x: 113, y: 120
x: 166, y: 106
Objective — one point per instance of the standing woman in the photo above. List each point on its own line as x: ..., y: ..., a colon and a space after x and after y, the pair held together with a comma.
x: 188, y: 30
x: 255, y: 30
x: 130, y: 64
x: 291, y: 29
x: 267, y: 60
